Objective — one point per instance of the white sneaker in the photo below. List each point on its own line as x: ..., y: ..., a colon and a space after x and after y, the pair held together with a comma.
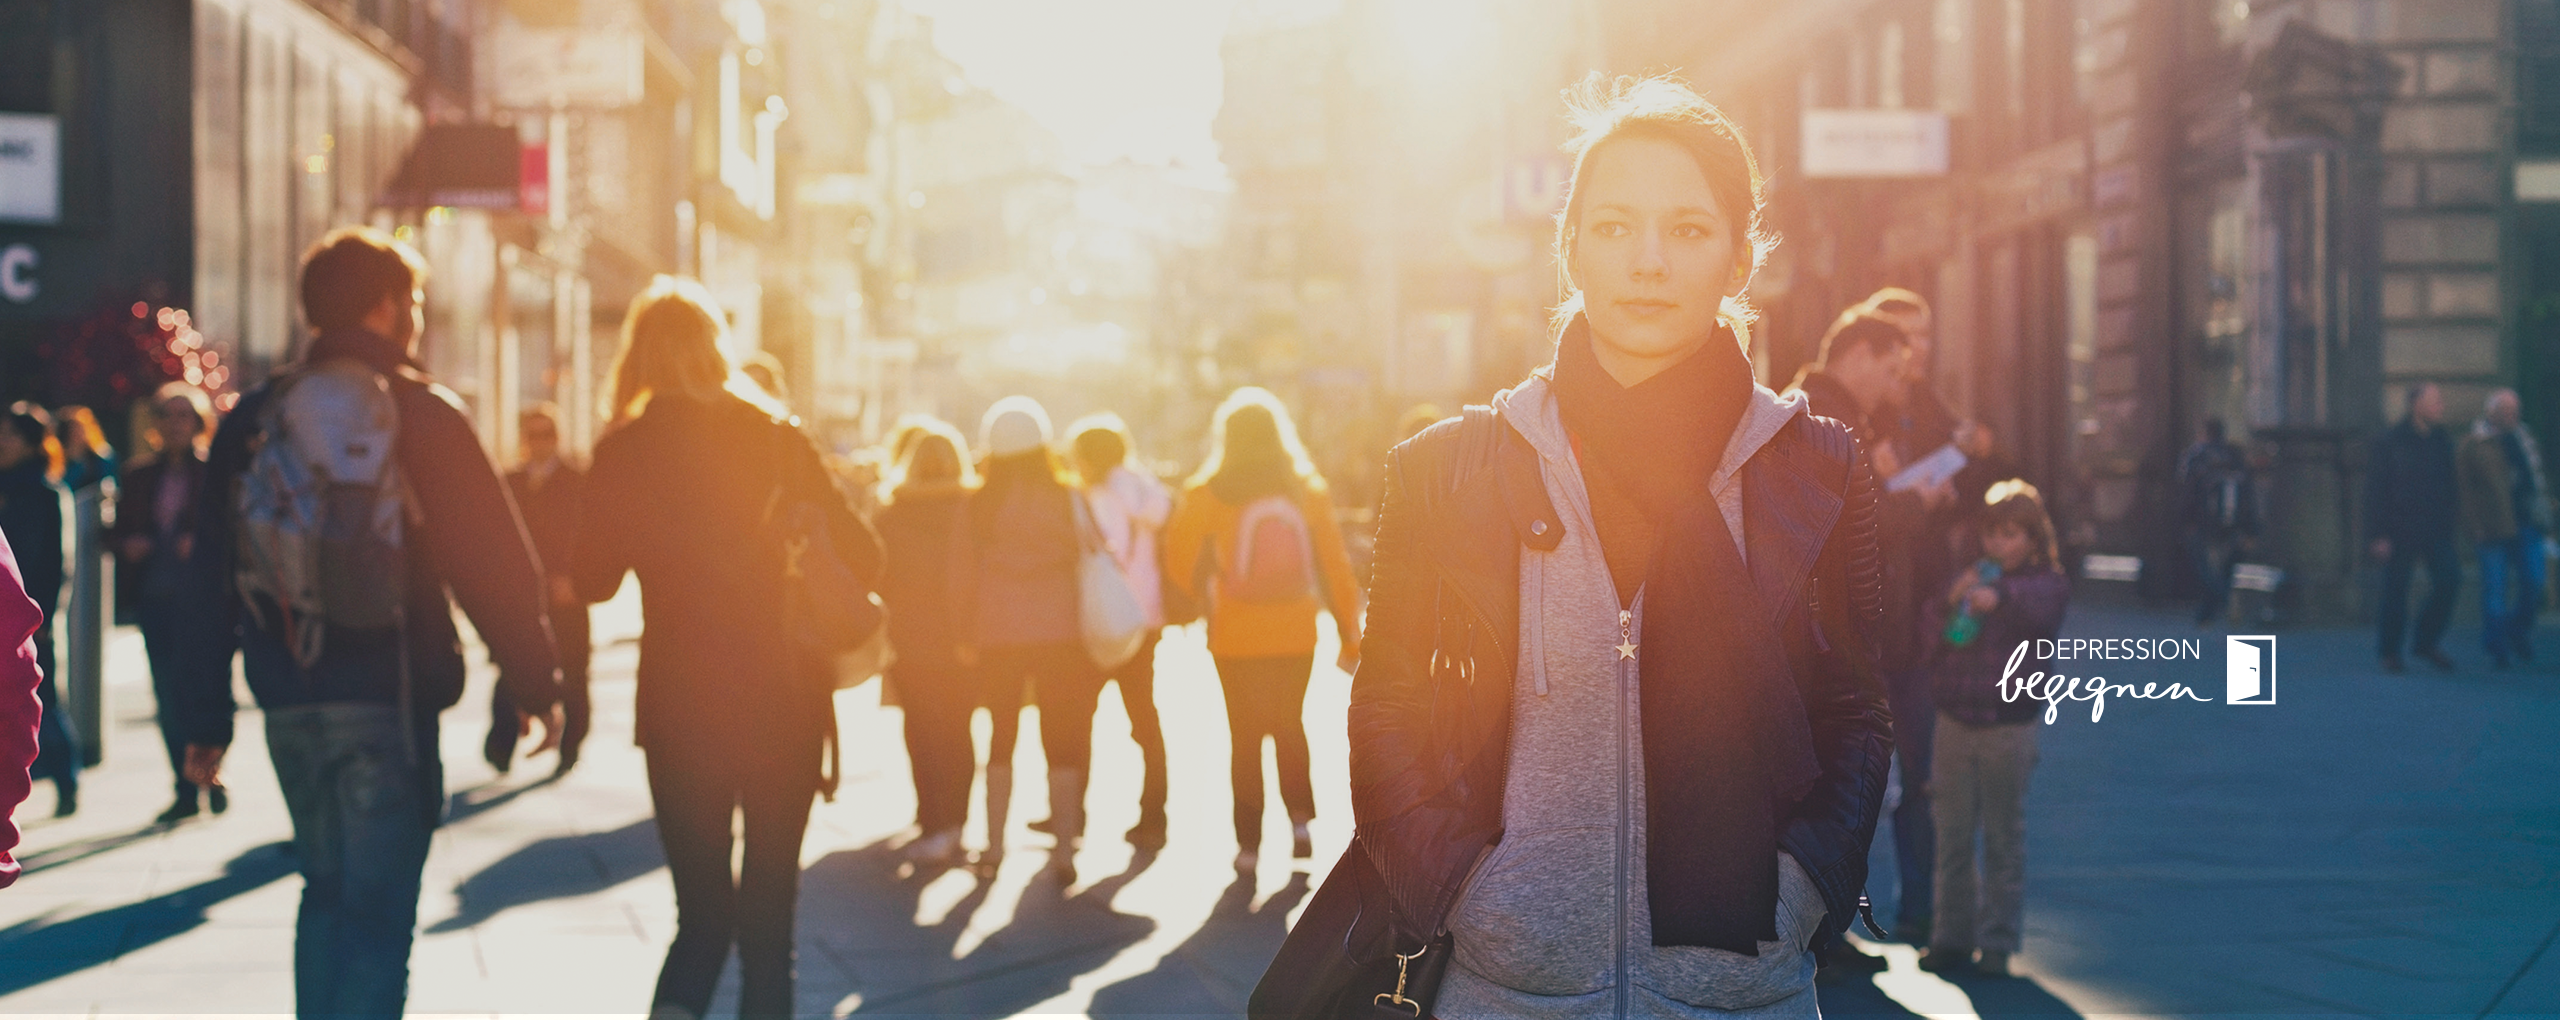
x: 936, y: 848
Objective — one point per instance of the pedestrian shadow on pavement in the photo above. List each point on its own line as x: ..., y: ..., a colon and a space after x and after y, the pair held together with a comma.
x: 36, y: 951
x: 464, y: 803
x: 1213, y: 972
x: 859, y: 911
x: 74, y: 853
x: 2012, y: 997
x: 556, y: 868
x: 857, y: 920
x: 1858, y: 996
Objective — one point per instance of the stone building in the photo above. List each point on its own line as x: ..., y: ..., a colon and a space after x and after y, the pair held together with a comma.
x: 2147, y: 213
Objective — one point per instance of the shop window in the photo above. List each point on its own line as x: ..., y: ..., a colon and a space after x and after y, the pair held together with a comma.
x: 2537, y: 52
x: 26, y: 56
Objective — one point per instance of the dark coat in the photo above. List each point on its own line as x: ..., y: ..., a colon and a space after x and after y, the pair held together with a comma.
x: 465, y: 547
x: 138, y: 516
x: 1014, y: 569
x: 678, y: 496
x: 919, y: 530
x: 1431, y: 704
x: 31, y: 516
x: 552, y: 513
x: 2411, y: 494
x: 1911, y: 538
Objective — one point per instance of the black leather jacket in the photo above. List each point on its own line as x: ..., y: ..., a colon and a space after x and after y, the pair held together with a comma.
x: 1431, y: 703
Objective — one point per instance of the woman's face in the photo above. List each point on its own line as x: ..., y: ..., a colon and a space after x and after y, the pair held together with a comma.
x: 1654, y: 255
x: 178, y: 422
x: 2006, y: 543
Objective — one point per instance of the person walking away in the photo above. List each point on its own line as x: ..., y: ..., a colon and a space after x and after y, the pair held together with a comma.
x: 21, y: 711
x: 31, y: 516
x: 1860, y: 378
x: 1986, y: 746
x: 2218, y: 506
x: 1258, y: 507
x: 2412, y: 499
x: 2507, y: 509
x: 733, y: 716
x: 937, y: 691
x: 349, y: 645
x: 551, y: 494
x: 1130, y: 508
x: 161, y: 577
x: 1615, y: 729
x: 1018, y: 594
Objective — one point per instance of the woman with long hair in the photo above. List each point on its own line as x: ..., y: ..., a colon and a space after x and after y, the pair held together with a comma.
x: 31, y: 516
x: 733, y: 716
x: 1617, y: 743
x: 1017, y: 588
x: 87, y: 457
x: 1129, y: 510
x: 937, y: 689
x: 1260, y: 512
x: 154, y: 539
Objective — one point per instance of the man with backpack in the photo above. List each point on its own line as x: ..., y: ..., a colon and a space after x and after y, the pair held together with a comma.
x: 2219, y: 505
x: 347, y: 507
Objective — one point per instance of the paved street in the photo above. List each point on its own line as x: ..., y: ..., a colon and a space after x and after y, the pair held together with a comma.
x: 2372, y: 844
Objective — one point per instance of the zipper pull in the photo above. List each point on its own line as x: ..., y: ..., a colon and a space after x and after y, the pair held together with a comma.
x: 1626, y: 635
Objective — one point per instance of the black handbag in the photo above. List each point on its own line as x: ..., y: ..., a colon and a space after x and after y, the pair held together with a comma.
x: 826, y: 609
x: 1342, y: 960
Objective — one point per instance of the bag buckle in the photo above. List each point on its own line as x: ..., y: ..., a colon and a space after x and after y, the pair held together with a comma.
x: 1396, y: 998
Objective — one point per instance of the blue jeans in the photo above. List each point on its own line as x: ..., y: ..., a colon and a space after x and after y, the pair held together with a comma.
x: 364, y: 801
x: 2506, y: 619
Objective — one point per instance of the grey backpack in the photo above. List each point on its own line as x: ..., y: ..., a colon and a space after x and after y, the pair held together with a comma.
x: 322, y: 509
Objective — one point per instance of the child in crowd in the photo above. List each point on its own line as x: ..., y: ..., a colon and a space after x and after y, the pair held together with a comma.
x: 1986, y: 745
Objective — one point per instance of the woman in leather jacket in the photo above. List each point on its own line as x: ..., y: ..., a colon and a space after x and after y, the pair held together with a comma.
x: 1617, y: 732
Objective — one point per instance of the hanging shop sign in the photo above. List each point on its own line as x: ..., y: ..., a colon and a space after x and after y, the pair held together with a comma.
x: 1875, y: 143
x: 30, y: 168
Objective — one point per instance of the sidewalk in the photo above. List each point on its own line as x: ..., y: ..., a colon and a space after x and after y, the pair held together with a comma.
x: 549, y: 897
x: 2370, y: 845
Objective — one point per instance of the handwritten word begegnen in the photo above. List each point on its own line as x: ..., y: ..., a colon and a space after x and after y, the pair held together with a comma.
x: 2054, y: 689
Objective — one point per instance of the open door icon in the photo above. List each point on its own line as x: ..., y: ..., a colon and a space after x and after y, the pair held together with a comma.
x: 2249, y: 669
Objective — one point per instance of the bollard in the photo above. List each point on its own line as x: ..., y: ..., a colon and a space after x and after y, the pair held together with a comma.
x: 85, y: 624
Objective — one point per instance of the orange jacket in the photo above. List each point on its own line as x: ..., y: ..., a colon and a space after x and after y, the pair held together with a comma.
x: 1254, y: 630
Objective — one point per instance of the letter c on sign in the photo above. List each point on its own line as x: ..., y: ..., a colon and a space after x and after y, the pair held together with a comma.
x: 18, y: 273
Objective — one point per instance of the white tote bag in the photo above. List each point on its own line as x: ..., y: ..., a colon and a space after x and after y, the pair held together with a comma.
x: 1114, y: 624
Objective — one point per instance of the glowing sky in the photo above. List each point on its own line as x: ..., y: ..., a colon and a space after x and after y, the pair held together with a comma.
x: 1114, y: 78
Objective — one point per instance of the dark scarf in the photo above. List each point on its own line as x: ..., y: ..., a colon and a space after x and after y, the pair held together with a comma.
x: 1719, y: 723
x: 1647, y: 449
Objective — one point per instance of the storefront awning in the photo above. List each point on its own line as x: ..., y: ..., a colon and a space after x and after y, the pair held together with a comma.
x: 473, y: 166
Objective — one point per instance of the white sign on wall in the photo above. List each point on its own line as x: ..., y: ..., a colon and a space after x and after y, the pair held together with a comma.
x: 2538, y: 180
x: 30, y: 168
x: 1875, y: 143
x: 590, y: 55
x: 537, y: 68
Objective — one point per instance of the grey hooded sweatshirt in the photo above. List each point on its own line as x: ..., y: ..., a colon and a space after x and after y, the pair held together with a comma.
x: 1555, y: 921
